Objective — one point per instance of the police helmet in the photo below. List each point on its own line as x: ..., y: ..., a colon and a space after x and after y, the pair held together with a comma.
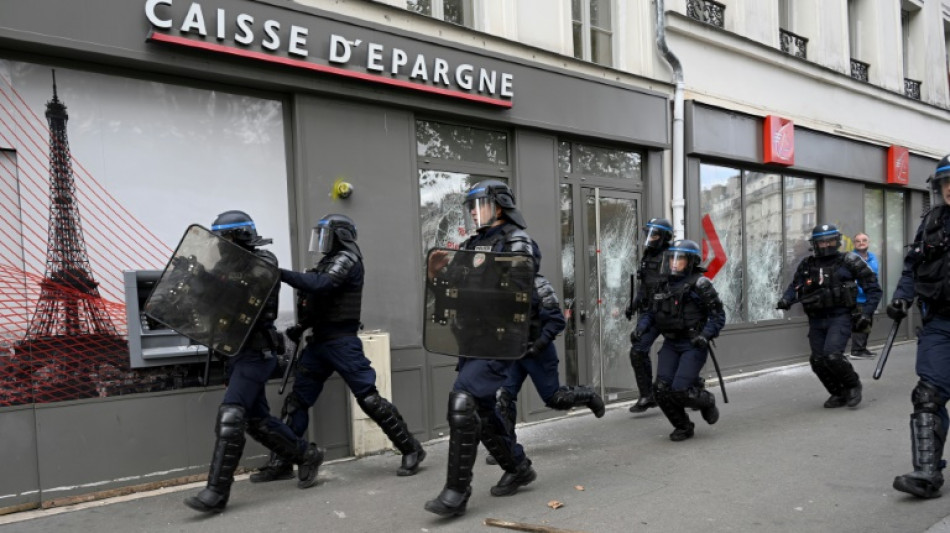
x: 939, y: 180
x: 484, y: 197
x: 682, y: 258
x: 331, y: 232
x: 657, y: 233
x: 238, y: 227
x: 825, y: 240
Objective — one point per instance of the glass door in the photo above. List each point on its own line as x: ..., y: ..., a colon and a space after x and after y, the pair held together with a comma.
x: 597, y: 287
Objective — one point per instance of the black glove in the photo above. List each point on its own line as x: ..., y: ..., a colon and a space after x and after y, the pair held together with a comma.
x: 699, y: 342
x: 535, y: 349
x: 860, y: 323
x: 294, y: 332
x: 783, y: 304
x: 897, y: 309
x: 628, y: 312
x: 637, y: 334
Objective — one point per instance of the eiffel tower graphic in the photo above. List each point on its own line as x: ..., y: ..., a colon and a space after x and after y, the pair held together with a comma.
x: 70, y: 336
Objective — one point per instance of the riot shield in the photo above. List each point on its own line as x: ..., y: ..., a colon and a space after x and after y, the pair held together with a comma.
x: 479, y: 304
x: 212, y: 291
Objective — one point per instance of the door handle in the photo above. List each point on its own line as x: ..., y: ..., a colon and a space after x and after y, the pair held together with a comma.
x: 583, y: 316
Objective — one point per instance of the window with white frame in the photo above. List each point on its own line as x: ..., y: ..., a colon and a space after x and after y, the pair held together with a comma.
x: 593, y: 30
x: 455, y: 11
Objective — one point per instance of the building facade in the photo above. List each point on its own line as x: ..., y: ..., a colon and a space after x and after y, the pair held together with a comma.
x: 177, y: 111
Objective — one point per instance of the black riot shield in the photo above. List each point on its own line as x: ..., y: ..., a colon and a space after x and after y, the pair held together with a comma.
x: 212, y: 291
x: 479, y: 304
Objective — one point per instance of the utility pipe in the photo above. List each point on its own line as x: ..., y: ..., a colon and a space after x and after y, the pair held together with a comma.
x: 678, y: 201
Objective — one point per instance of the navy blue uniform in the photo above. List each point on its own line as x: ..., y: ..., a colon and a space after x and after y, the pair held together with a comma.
x: 328, y: 307
x: 926, y: 276
x: 245, y: 409
x: 650, y: 279
x: 686, y: 309
x: 827, y: 288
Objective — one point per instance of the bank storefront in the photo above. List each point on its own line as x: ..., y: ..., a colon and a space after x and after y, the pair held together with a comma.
x: 123, y: 122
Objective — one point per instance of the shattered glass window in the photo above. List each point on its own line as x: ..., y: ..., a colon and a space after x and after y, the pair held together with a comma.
x: 763, y: 243
x: 721, y: 214
x: 461, y: 143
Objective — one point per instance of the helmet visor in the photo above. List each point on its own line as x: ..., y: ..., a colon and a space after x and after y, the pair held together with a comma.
x: 941, y: 189
x: 678, y: 262
x: 479, y: 213
x: 654, y: 236
x: 321, y: 239
x: 825, y: 244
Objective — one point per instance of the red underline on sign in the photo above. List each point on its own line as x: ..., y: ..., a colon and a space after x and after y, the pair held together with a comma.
x: 296, y: 63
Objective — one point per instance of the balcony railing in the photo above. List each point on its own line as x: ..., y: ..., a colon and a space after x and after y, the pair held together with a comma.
x: 859, y: 69
x: 706, y: 11
x: 793, y: 44
x: 912, y: 88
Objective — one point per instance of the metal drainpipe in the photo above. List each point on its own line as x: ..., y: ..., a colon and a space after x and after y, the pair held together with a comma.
x: 678, y: 202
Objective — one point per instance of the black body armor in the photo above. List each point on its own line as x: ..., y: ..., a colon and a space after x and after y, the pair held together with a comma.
x: 677, y: 314
x: 932, y: 271
x: 314, y: 310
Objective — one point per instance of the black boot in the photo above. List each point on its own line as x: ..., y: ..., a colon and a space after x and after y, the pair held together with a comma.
x: 820, y: 366
x: 565, y: 398
x: 228, y: 448
x: 672, y: 405
x: 643, y: 374
x: 390, y: 421
x: 280, y: 440
x: 846, y: 377
x: 705, y: 402
x: 927, y: 451
x: 307, y: 466
x: 277, y: 468
x: 511, y: 481
x: 853, y: 396
x: 463, y: 446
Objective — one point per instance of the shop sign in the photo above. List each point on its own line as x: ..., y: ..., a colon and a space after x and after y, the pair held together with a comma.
x: 898, y: 165
x: 778, y: 141
x: 350, y: 56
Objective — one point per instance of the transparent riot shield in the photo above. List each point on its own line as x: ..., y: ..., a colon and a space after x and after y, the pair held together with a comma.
x: 212, y: 291
x: 478, y: 304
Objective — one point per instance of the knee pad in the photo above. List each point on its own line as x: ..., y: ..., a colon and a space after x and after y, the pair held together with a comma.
x: 662, y: 389
x: 462, y: 410
x: 230, y: 421
x: 372, y: 403
x: 926, y: 398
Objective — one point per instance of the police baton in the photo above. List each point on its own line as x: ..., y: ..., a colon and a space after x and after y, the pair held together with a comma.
x: 293, y: 360
x: 722, y: 384
x: 887, y: 349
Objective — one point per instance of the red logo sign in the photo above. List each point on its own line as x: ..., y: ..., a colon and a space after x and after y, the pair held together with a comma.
x: 714, y: 256
x: 778, y: 141
x: 898, y: 165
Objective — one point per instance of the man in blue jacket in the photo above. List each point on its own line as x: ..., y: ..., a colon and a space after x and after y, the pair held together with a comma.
x: 859, y: 339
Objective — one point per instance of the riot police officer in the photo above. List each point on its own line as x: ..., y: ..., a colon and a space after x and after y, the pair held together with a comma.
x: 472, y: 416
x: 540, y: 362
x: 329, y: 300
x: 658, y: 234
x: 244, y: 407
x: 826, y: 284
x: 926, y: 276
x: 687, y: 311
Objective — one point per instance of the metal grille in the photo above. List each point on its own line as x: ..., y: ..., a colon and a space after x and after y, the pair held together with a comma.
x: 912, y: 88
x: 793, y: 44
x: 859, y: 70
x: 706, y: 11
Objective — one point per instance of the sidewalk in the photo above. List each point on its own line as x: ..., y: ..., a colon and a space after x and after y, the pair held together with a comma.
x: 776, y: 461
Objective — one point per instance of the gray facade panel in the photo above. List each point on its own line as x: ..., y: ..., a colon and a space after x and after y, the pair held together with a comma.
x: 372, y: 148
x: 115, y: 31
x: 842, y: 204
x: 19, y: 462
x: 720, y: 133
